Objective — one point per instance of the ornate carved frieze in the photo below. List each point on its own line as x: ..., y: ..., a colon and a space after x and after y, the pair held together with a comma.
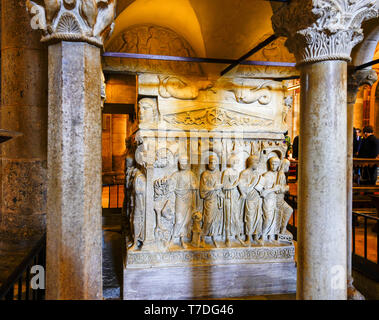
x: 320, y: 30
x: 215, y: 117
x: 73, y: 20
x: 197, y: 257
x: 358, y: 78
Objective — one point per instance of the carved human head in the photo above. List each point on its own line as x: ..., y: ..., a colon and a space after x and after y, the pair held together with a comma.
x: 184, y: 163
x: 274, y: 163
x: 213, y: 162
x: 233, y: 161
x: 148, y: 110
x: 253, y: 162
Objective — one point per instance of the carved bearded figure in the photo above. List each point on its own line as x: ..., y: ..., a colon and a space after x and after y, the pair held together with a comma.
x: 211, y: 192
x: 186, y: 186
x: 252, y: 202
x: 232, y: 203
x: 268, y: 188
x: 139, y: 196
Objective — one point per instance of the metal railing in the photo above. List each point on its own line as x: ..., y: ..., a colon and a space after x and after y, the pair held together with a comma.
x: 17, y: 286
x: 368, y: 266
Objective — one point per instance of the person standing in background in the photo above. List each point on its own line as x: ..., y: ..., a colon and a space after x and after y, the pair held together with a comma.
x: 369, y: 149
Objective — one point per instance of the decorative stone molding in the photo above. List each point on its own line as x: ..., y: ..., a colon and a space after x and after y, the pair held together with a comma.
x: 356, y: 79
x: 319, y: 30
x: 73, y: 20
x: 274, y: 254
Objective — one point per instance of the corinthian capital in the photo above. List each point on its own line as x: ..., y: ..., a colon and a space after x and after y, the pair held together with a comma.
x: 356, y: 79
x: 319, y: 30
x: 73, y: 20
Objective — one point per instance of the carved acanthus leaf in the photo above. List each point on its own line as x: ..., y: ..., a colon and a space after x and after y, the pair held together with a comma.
x: 320, y: 30
x: 73, y: 20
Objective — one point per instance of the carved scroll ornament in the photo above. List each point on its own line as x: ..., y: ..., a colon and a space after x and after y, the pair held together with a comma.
x: 319, y: 30
x: 73, y: 20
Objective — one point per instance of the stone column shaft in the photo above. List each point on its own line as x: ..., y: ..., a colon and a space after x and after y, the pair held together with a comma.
x: 75, y: 32
x: 74, y: 172
x: 322, y: 204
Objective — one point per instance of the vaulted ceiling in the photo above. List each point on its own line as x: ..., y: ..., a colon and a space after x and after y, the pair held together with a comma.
x: 220, y: 28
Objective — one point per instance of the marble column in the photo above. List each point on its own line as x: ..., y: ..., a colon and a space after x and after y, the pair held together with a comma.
x: 75, y: 33
x: 356, y: 79
x: 321, y: 35
x: 23, y: 108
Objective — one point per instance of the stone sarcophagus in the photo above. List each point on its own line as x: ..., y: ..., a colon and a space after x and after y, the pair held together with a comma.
x: 205, y: 215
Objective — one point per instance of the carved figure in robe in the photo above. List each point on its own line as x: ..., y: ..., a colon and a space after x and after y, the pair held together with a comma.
x: 211, y: 192
x: 268, y: 188
x: 164, y: 210
x: 252, y: 202
x: 186, y: 186
x: 196, y: 228
x: 284, y: 209
x: 139, y: 199
x: 233, y: 220
x: 128, y: 204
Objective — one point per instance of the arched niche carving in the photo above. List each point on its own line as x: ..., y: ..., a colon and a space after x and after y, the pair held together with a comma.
x: 155, y: 40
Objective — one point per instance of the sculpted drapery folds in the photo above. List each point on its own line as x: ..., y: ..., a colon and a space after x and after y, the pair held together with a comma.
x: 211, y: 192
x: 138, y: 215
x: 73, y: 20
x: 268, y: 189
x: 319, y: 30
x: 252, y: 202
x: 186, y: 187
x: 284, y: 210
x: 232, y: 204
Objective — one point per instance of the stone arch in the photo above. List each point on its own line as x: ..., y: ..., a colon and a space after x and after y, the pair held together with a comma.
x: 177, y: 15
x: 152, y: 39
x: 365, y: 51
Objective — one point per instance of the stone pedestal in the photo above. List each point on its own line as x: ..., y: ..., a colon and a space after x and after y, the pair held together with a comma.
x: 210, y: 273
x: 74, y: 173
